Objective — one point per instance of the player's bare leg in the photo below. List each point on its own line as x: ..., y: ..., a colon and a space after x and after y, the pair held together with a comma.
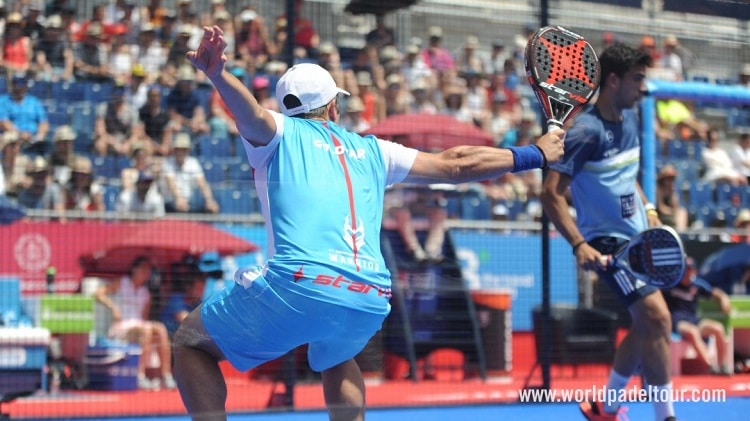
x: 344, y: 390
x: 196, y: 370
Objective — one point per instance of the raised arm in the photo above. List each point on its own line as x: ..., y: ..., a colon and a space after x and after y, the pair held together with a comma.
x: 253, y: 121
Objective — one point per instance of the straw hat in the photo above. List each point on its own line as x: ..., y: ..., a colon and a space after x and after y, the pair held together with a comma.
x: 743, y: 217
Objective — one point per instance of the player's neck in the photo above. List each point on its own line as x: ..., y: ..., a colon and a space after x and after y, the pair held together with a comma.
x: 609, y: 110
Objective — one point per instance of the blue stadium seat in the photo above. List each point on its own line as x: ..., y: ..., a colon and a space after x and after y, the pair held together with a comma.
x: 235, y: 201
x: 701, y: 194
x: 476, y: 208
x: 728, y: 195
x: 212, y: 147
x: 106, y: 167
x: 69, y: 92
x: 41, y: 89
x: 99, y: 92
x: 706, y: 215
x: 688, y: 171
x: 57, y: 116
x: 214, y: 170
x: 111, y: 194
x: 745, y: 197
x: 240, y: 171
x: 677, y: 149
x: 83, y: 117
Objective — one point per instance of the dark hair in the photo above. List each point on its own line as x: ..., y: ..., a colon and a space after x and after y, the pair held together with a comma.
x: 620, y: 59
x: 139, y: 261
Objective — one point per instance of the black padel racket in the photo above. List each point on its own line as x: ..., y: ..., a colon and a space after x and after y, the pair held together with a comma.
x: 563, y: 70
x: 655, y: 255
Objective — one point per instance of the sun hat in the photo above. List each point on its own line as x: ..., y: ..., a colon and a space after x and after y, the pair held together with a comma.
x: 305, y: 87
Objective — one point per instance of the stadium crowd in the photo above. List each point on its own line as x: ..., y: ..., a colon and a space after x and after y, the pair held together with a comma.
x: 105, y: 113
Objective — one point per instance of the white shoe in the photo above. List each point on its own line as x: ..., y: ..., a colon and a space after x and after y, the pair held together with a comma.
x: 146, y: 383
x: 168, y: 382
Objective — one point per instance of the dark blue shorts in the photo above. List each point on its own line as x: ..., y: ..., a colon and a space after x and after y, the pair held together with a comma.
x: 625, y: 286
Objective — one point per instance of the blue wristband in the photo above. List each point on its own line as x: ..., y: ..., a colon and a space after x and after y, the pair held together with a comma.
x: 527, y: 158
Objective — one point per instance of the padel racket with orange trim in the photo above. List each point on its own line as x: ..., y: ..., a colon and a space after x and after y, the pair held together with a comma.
x: 563, y: 70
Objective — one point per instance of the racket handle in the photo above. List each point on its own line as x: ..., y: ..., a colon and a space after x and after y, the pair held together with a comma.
x: 553, y: 124
x: 605, y: 261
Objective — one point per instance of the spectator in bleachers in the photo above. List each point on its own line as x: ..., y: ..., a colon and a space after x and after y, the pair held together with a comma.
x: 372, y: 101
x: 367, y: 60
x: 149, y: 53
x: 70, y: 25
x: 129, y: 300
x: 671, y: 212
x: 136, y: 87
x: 166, y: 29
x: 671, y: 62
x: 82, y: 192
x: 498, y: 55
x: 53, y: 54
x: 14, y: 163
x: 17, y: 50
x: 261, y: 88
x: 352, y: 117
x: 500, y: 121
x: 154, y: 12
x: 435, y: 56
x: 143, y: 197
x: 90, y: 56
x: 183, y: 179
x: 396, y: 96
x: 178, y: 49
x: 156, y: 122
x: 648, y: 44
x: 305, y: 34
x: 186, y: 113
x: 32, y: 27
x: 113, y: 129
x: 414, y: 68
x: 407, y: 204
x: 381, y: 35
x: 419, y: 101
x: 470, y: 59
x: 121, y: 60
x: 454, y: 103
x: 329, y: 59
x: 718, y: 165
x: 253, y: 44
x: 42, y: 192
x: 682, y: 301
x: 62, y: 157
x: 141, y: 159
x: 25, y: 114
x: 740, y: 155
x: 742, y: 223
x: 476, y: 99
x: 525, y: 132
x: 677, y: 120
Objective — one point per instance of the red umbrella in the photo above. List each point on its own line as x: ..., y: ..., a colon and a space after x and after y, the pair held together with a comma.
x: 430, y: 131
x: 164, y: 241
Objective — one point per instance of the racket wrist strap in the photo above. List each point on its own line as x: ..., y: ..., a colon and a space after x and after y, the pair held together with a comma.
x: 527, y: 158
x: 578, y: 244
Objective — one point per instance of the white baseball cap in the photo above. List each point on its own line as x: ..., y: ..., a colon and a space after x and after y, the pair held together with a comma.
x: 305, y: 87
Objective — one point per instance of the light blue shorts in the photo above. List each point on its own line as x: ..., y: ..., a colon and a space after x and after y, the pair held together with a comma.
x: 257, y: 324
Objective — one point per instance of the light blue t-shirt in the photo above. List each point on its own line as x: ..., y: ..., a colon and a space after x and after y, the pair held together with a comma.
x: 603, y: 160
x: 321, y: 190
x: 26, y: 115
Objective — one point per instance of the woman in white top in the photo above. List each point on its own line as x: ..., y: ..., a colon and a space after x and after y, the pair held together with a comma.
x: 129, y: 300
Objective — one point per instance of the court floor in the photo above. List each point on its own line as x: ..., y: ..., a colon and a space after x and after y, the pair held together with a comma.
x: 733, y: 409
